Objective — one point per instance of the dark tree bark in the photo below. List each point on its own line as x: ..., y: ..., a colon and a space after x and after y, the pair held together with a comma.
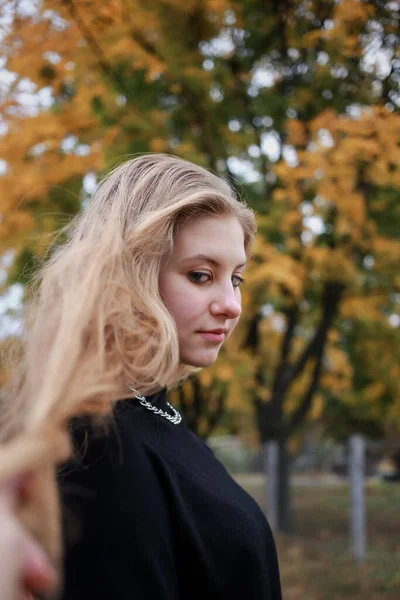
x: 195, y: 405
x: 272, y: 422
x: 285, y: 513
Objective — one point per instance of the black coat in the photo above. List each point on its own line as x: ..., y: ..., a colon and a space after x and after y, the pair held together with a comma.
x: 151, y: 514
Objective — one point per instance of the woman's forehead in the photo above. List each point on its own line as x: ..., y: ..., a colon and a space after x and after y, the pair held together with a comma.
x: 219, y: 238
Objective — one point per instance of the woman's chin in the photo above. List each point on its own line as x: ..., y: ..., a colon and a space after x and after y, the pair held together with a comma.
x: 199, y: 359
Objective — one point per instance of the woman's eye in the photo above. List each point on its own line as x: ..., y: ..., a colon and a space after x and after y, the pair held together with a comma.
x: 199, y: 277
x: 236, y: 280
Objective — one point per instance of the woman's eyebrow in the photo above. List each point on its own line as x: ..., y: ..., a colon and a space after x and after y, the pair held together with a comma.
x: 212, y: 261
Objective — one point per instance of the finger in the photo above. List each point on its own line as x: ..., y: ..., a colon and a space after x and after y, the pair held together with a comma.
x: 38, y: 575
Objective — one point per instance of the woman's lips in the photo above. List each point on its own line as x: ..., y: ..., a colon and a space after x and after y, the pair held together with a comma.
x: 213, y: 337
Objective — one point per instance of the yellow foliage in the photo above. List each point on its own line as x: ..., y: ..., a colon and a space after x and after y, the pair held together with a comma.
x: 334, y: 153
x: 206, y: 377
x: 327, y: 264
x: 290, y: 195
x: 378, y: 172
x: 218, y: 7
x: 333, y: 336
x: 338, y: 374
x: 284, y: 272
x: 349, y: 13
x: 292, y: 222
x: 17, y: 221
x: 324, y: 120
x: 317, y: 408
x: 394, y: 179
x: 264, y: 394
x: 294, y: 246
x: 373, y: 392
x: 296, y: 132
x: 158, y: 145
x: 386, y: 251
x: 365, y: 127
x: 311, y: 39
x: 302, y: 96
x: 279, y: 194
x: 360, y: 149
x: 363, y: 308
x: 225, y: 372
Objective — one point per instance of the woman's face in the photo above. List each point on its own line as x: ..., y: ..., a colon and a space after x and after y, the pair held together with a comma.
x: 200, y: 285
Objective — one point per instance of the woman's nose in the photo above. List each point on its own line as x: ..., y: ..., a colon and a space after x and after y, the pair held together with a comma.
x: 228, y: 303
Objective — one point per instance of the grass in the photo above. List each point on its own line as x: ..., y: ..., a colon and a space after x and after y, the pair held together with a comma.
x: 316, y: 563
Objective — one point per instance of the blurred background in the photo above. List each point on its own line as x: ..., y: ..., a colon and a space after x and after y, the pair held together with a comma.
x: 297, y: 104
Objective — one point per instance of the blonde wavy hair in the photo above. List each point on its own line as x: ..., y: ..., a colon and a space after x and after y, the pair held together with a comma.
x: 95, y: 323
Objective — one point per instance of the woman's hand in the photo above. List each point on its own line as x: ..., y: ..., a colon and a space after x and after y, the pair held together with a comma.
x: 24, y: 567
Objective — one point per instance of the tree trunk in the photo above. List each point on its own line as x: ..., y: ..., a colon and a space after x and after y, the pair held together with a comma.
x: 272, y: 422
x: 285, y: 512
x: 278, y: 492
x: 271, y: 474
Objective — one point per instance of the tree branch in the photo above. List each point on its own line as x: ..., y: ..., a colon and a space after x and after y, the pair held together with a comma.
x: 215, y: 417
x: 280, y: 11
x: 96, y: 48
x: 252, y: 338
x: 331, y: 298
x: 279, y: 379
x: 297, y: 417
x: 197, y: 401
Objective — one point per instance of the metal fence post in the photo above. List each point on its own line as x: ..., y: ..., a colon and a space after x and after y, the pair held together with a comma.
x: 357, y: 493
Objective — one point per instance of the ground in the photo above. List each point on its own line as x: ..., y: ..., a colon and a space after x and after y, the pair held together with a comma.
x: 316, y: 563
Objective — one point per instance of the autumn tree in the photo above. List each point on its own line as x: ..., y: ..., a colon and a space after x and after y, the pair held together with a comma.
x: 211, y: 81
x: 275, y: 97
x: 337, y: 250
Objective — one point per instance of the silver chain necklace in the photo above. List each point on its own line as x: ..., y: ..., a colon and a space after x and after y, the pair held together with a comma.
x: 175, y: 418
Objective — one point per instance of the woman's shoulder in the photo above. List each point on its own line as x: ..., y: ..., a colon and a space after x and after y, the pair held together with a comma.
x: 111, y: 467
x: 101, y: 444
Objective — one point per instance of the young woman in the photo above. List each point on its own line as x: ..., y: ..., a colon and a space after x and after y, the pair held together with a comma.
x: 145, y: 291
